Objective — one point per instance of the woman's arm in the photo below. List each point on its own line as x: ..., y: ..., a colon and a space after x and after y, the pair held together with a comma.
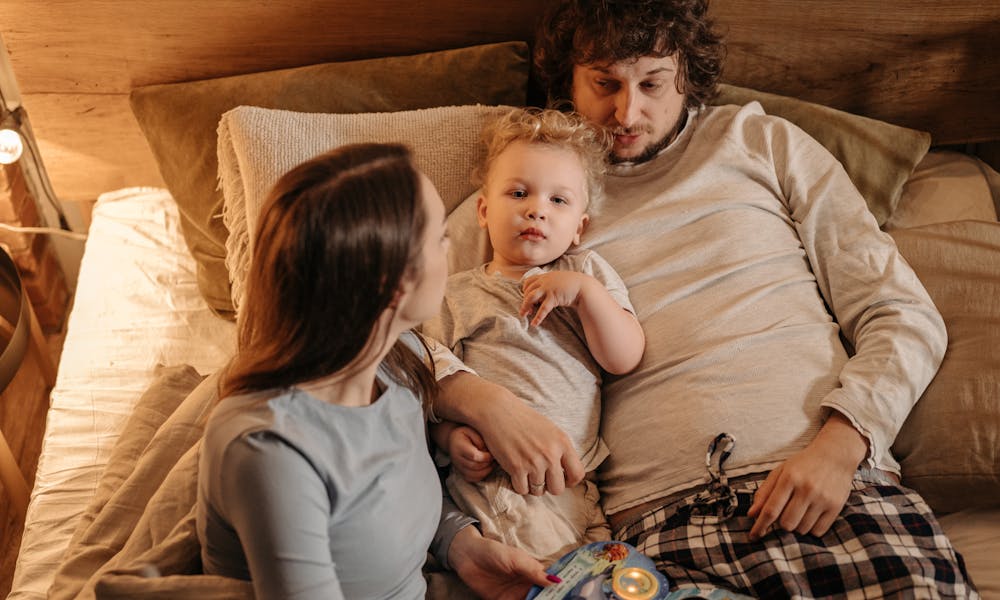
x: 283, y: 534
x: 495, y: 571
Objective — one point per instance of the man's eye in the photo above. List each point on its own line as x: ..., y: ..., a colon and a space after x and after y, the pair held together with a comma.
x: 651, y: 85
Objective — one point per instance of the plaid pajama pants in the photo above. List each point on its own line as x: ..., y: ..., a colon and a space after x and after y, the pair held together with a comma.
x: 886, y: 543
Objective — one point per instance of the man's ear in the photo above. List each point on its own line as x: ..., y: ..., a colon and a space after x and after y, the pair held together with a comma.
x: 581, y: 227
x: 481, y: 211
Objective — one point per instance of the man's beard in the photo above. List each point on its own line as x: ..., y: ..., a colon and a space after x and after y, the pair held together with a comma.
x: 651, y: 151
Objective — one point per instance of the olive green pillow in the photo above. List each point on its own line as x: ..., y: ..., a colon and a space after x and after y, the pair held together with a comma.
x: 949, y: 446
x: 179, y: 121
x: 878, y: 156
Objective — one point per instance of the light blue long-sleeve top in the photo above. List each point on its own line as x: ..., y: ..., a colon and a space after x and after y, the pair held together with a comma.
x: 317, y: 500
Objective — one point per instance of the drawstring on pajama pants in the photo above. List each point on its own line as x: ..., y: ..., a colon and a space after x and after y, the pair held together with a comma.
x: 718, y: 501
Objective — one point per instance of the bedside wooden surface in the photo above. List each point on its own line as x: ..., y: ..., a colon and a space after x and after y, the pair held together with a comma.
x: 23, y: 407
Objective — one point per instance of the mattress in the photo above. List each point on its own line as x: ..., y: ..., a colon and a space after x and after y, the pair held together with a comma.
x: 136, y: 305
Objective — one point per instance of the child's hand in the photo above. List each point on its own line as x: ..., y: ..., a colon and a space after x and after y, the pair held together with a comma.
x: 468, y: 454
x: 549, y: 290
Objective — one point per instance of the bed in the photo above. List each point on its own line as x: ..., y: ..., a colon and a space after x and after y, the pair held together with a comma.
x: 126, y: 101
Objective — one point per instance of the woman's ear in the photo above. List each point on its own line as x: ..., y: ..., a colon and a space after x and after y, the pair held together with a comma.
x: 402, y: 292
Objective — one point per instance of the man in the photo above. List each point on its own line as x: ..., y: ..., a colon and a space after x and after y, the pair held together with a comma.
x: 738, y: 236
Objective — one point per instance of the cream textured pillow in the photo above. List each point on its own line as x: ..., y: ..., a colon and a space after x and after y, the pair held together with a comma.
x: 179, y: 121
x: 257, y: 145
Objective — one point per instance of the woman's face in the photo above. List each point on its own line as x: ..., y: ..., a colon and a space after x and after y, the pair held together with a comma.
x: 423, y: 291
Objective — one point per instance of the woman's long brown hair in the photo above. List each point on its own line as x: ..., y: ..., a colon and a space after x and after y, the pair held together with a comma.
x: 336, y: 236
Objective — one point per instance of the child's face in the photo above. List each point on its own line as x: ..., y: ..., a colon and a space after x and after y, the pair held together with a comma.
x: 534, y: 205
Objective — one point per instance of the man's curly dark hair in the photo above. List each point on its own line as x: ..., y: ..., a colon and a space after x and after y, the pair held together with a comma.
x: 586, y: 32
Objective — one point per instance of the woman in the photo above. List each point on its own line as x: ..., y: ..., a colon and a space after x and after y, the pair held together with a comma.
x: 314, y: 480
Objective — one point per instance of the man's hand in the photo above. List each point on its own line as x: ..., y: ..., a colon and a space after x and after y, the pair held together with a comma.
x: 494, y: 570
x: 528, y: 446
x: 807, y: 492
x: 549, y: 290
x: 468, y: 454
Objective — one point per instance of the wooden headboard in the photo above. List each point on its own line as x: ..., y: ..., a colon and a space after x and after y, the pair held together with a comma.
x: 927, y: 64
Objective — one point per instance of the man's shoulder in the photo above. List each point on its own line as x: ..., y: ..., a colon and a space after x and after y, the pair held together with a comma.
x: 747, y: 127
x: 729, y: 115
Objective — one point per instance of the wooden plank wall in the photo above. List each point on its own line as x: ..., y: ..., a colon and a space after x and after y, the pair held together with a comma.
x: 928, y: 64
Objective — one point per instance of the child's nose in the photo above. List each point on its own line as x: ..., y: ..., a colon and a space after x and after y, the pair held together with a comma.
x: 536, y: 208
x: 535, y: 213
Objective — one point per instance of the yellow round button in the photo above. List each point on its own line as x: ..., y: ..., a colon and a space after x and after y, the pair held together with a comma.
x: 633, y: 583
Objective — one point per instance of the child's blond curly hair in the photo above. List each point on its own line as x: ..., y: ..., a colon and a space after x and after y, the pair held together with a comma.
x: 566, y: 130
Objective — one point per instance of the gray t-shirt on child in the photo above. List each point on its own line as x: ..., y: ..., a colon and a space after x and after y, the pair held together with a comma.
x: 549, y: 366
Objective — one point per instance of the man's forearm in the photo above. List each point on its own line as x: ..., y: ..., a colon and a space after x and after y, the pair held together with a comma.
x: 528, y: 446
x: 467, y: 398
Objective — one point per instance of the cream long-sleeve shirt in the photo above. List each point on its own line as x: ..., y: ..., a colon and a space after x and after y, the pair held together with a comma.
x: 737, y: 243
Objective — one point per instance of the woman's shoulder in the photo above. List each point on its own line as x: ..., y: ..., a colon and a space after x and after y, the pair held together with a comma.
x: 237, y: 415
x: 415, y: 342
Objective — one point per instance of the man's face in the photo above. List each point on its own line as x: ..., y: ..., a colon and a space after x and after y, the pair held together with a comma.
x: 637, y: 99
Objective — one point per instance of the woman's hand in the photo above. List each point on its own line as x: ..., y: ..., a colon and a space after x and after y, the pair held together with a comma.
x: 492, y: 569
x: 807, y: 492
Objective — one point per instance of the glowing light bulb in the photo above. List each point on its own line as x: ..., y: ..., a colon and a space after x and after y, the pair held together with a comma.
x: 11, y: 146
x: 633, y: 583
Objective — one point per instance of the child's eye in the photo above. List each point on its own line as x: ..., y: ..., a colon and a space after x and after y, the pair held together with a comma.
x: 560, y: 200
x: 519, y: 194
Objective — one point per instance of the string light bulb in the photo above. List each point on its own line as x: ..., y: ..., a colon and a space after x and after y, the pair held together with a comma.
x: 11, y: 146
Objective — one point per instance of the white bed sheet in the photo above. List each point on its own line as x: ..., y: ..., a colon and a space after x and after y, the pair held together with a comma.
x: 137, y: 305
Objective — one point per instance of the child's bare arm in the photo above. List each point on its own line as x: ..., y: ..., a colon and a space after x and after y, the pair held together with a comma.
x: 614, y: 336
x: 465, y: 447
x: 440, y: 432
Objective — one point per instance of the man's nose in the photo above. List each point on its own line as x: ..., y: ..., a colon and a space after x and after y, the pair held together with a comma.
x: 626, y: 107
